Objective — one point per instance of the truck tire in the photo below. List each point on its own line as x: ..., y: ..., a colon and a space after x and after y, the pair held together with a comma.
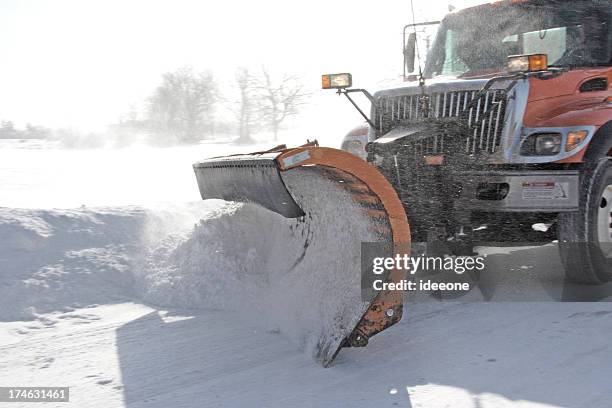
x: 585, y: 236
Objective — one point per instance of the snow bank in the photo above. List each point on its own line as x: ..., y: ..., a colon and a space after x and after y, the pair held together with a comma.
x: 301, y: 278
x: 57, y: 260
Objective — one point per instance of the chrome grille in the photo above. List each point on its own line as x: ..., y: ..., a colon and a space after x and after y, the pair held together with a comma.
x: 481, y: 120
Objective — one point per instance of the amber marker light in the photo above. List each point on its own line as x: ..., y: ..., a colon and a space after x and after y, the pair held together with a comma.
x: 528, y: 63
x: 574, y: 138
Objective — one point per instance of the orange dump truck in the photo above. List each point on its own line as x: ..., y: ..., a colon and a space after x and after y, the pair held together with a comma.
x: 502, y: 134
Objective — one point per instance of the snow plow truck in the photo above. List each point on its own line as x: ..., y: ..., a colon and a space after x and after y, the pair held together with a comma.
x: 502, y: 122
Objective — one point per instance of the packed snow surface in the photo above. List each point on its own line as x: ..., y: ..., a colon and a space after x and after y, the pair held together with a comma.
x: 168, y: 305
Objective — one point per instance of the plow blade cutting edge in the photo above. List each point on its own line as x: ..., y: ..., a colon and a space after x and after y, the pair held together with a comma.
x: 340, y: 201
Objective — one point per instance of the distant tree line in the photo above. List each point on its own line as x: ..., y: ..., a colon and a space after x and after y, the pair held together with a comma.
x: 66, y: 137
x: 187, y: 106
x: 9, y: 131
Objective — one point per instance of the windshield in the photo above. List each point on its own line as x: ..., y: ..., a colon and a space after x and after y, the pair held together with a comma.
x: 478, y: 41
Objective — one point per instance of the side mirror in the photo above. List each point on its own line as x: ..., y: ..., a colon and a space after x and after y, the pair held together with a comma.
x: 409, y: 55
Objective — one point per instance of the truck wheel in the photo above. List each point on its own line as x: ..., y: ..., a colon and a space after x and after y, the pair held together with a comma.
x: 585, y: 237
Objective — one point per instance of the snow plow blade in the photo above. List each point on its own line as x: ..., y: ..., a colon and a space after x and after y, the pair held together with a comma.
x: 308, y: 184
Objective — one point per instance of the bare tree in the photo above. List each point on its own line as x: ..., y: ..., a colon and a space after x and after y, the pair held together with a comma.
x: 183, y: 105
x: 246, y: 110
x: 279, y: 100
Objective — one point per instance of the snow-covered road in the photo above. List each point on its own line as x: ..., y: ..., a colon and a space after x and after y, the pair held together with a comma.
x: 441, y: 355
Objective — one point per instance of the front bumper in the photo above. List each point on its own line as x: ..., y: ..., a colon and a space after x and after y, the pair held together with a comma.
x: 517, y: 191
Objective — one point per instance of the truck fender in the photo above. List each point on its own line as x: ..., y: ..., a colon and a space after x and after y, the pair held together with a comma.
x: 601, y: 144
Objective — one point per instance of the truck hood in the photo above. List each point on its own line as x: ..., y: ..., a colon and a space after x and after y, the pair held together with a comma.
x: 438, y: 84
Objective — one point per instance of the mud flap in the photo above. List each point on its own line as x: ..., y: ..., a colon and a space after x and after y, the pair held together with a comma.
x: 301, y: 183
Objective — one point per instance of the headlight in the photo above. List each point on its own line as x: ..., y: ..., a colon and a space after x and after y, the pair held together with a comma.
x: 548, y: 144
x: 336, y: 81
x: 542, y: 144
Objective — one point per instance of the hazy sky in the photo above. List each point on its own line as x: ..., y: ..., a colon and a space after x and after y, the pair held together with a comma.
x: 83, y: 63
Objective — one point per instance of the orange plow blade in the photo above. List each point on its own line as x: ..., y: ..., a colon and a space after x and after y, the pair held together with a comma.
x: 335, y: 202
